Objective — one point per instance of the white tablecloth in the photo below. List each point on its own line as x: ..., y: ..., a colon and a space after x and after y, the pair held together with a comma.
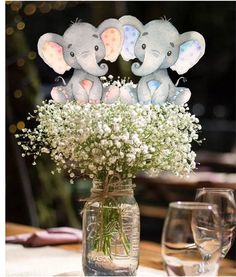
x: 51, y: 261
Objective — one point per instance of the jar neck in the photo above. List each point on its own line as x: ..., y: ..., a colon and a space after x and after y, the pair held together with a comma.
x: 113, y: 186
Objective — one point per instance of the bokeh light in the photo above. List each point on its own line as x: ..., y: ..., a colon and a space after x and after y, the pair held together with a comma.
x: 56, y: 5
x: 45, y: 7
x: 32, y: 55
x: 9, y: 31
x: 220, y: 111
x: 12, y: 128
x: 20, y: 25
x: 20, y: 125
x: 30, y: 9
x: 59, y: 6
x: 16, y: 6
x: 20, y: 62
x: 17, y: 93
x: 198, y: 109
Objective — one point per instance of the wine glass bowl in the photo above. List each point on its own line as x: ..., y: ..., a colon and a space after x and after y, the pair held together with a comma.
x: 191, y: 239
x: 224, y: 199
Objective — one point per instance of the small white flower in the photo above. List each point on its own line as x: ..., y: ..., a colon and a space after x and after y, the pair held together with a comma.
x: 117, y: 143
x: 72, y: 174
x: 110, y: 172
x: 152, y: 149
x: 144, y: 148
x: 45, y: 150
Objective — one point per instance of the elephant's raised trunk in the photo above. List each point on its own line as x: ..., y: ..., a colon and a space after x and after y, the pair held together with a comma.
x: 150, y: 64
x: 135, y: 68
x: 104, y: 68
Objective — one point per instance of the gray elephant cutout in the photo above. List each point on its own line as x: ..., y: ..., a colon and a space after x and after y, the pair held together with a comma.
x: 158, y: 46
x: 82, y: 47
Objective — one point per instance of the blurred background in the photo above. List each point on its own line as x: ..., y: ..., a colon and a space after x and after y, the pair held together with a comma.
x: 36, y: 197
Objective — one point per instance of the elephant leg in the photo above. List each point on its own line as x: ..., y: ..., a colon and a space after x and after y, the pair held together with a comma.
x: 110, y: 94
x: 80, y: 94
x: 179, y: 96
x: 143, y: 92
x: 160, y: 95
x: 61, y: 94
x: 128, y: 95
x: 95, y: 93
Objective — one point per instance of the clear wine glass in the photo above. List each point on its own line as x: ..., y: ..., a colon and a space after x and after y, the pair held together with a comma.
x: 225, y: 200
x: 191, y: 239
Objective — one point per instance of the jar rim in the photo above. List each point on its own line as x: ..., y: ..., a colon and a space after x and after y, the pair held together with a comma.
x: 123, y: 185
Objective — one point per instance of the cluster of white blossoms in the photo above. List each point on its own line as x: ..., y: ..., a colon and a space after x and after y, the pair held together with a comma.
x: 108, y: 81
x: 102, y: 140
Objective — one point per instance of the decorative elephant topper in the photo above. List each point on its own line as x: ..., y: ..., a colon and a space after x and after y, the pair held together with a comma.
x: 158, y: 45
x: 82, y: 47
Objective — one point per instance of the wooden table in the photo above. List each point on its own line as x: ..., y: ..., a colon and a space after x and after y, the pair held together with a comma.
x: 150, y: 253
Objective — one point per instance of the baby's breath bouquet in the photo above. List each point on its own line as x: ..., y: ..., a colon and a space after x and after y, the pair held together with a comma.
x: 103, y: 140
x: 111, y: 144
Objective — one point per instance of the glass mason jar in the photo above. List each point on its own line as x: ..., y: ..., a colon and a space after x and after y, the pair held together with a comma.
x: 111, y: 231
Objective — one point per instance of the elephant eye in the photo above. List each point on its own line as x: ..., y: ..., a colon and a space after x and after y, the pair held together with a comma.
x: 144, y: 46
x: 72, y: 54
x: 169, y: 53
x: 96, y: 48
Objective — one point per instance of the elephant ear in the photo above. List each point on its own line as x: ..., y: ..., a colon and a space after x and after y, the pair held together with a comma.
x: 50, y: 48
x: 192, y: 48
x: 112, y: 35
x: 132, y: 29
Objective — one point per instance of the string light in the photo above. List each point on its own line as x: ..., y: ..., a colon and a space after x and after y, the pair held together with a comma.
x: 32, y: 55
x: 20, y: 62
x: 12, y: 128
x: 17, y: 93
x: 45, y: 7
x: 20, y: 25
x: 20, y: 125
x: 59, y: 6
x: 9, y: 31
x: 56, y: 5
x: 16, y: 6
x: 30, y: 9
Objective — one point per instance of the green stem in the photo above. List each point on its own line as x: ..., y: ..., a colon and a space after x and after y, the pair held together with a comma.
x: 123, y: 235
x: 110, y: 219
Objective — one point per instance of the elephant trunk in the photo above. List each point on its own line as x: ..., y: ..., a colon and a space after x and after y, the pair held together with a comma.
x: 136, y: 68
x: 150, y: 64
x: 89, y: 64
